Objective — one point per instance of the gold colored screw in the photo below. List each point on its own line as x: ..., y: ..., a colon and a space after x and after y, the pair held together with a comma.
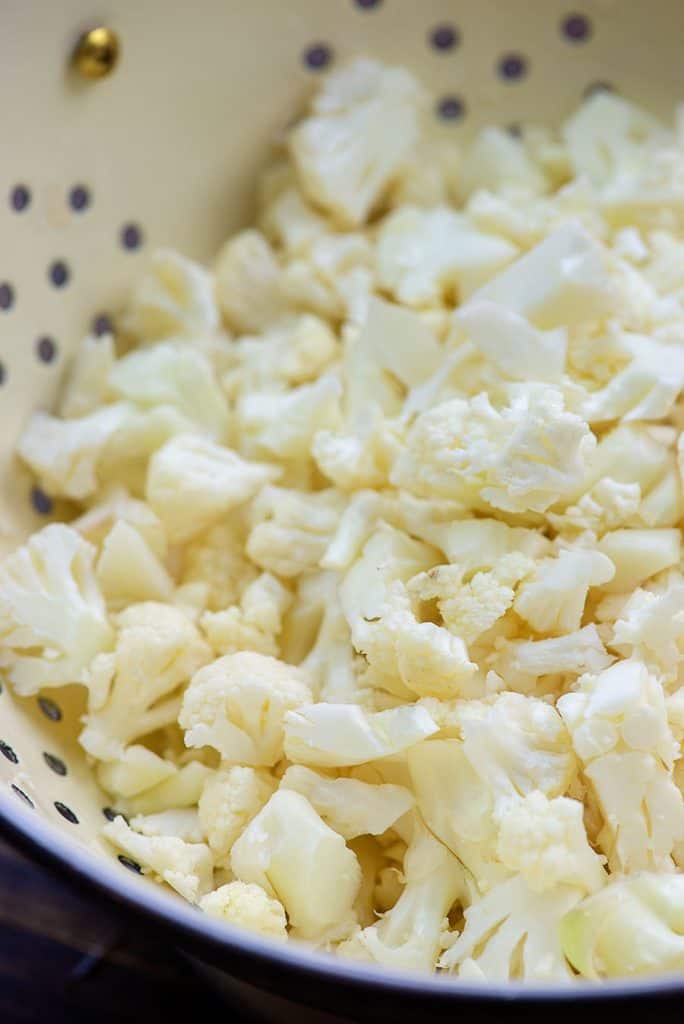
x: 96, y: 53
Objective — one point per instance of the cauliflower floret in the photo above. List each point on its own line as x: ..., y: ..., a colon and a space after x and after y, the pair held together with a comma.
x: 114, y: 504
x: 291, y: 529
x: 192, y: 482
x: 284, y: 424
x: 128, y: 570
x: 180, y: 822
x: 237, y: 705
x: 52, y: 615
x: 290, y: 222
x: 248, y: 288
x: 513, y: 933
x: 87, y: 383
x: 364, y: 121
x: 174, y: 297
x: 516, y: 348
x: 470, y: 609
x: 546, y: 842
x: 64, y: 454
x: 157, y: 649
x: 478, y: 544
x: 339, y: 735
x: 427, y: 257
x: 182, y: 789
x: 295, y: 352
x: 634, y: 926
x: 497, y: 161
x: 651, y: 625
x: 353, y: 808
x: 248, y: 906
x: 186, y: 867
x: 552, y: 601
x: 229, y: 801
x: 522, y: 663
x: 408, y: 935
x: 290, y: 851
x: 423, y: 658
x: 255, y: 624
x: 639, y: 554
x: 331, y: 662
x: 562, y: 282
x: 217, y: 561
x: 608, y: 504
x: 526, y: 457
x: 172, y: 373
x: 137, y: 769
x: 620, y: 730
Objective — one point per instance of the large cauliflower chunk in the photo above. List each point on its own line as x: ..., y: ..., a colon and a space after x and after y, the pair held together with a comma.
x: 52, y: 615
x: 238, y: 704
x: 290, y: 851
x: 363, y: 123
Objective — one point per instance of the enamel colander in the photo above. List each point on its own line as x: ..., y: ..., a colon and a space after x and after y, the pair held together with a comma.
x: 105, y: 155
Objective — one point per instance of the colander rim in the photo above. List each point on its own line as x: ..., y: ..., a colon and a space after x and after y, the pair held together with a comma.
x: 209, y: 938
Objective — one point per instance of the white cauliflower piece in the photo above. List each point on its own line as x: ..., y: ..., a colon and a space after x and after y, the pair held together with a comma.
x: 479, y: 544
x: 52, y: 615
x: 339, y: 735
x: 496, y: 161
x: 424, y: 658
x: 284, y: 424
x: 237, y: 705
x: 128, y: 571
x: 64, y: 454
x: 353, y: 808
x: 621, y: 733
x: 175, y: 296
x: 192, y: 482
x: 290, y: 851
x: 229, y: 801
x: 552, y: 601
x: 217, y: 561
x: 247, y: 283
x: 355, y: 525
x: 114, y: 504
x: 181, y: 790
x: 157, y: 649
x: 562, y: 282
x: 175, y: 374
x: 522, y: 663
x: 331, y: 662
x: 400, y: 342
x: 607, y: 505
x: 292, y: 529
x: 651, y: 625
x: 526, y: 457
x: 255, y: 624
x: 638, y: 555
x: 180, y: 822
x: 137, y: 769
x: 87, y: 384
x: 512, y: 933
x: 546, y: 843
x: 247, y: 905
x: 291, y: 222
x: 516, y: 348
x: 291, y: 353
x: 364, y: 121
x: 633, y: 927
x: 186, y: 867
x: 408, y: 935
x: 425, y: 258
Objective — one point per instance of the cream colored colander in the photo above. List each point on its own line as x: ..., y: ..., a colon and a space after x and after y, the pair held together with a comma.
x: 163, y: 151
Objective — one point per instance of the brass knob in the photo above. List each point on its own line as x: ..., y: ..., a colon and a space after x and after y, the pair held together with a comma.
x: 97, y: 53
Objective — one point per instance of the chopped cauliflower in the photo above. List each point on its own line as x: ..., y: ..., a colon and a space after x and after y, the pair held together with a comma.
x: 186, y: 867
x: 87, y: 383
x: 247, y: 280
x: 128, y: 571
x: 174, y: 297
x: 255, y: 624
x: 193, y: 482
x: 248, y: 906
x: 52, y: 614
x: 552, y: 601
x: 238, y: 705
x: 318, y: 895
x: 363, y: 123
x: 291, y: 529
x: 230, y: 799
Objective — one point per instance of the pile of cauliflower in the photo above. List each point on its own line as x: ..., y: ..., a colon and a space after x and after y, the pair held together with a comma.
x: 373, y: 569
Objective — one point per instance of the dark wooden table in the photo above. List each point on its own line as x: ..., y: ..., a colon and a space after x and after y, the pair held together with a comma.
x: 64, y: 960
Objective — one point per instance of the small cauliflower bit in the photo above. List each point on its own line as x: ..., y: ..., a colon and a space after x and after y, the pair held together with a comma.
x: 157, y: 649
x: 52, y: 615
x: 238, y: 704
x: 255, y: 624
x: 290, y: 851
x: 651, y: 626
x: 128, y: 571
x: 364, y: 121
x: 291, y: 529
x: 186, y: 867
x: 552, y: 601
x: 522, y: 664
x: 248, y: 906
x: 175, y: 297
x: 87, y: 382
x: 230, y: 799
x: 247, y: 281
x: 216, y: 560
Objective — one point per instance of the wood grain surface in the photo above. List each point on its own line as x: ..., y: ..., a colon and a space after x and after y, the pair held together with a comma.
x: 63, y: 959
